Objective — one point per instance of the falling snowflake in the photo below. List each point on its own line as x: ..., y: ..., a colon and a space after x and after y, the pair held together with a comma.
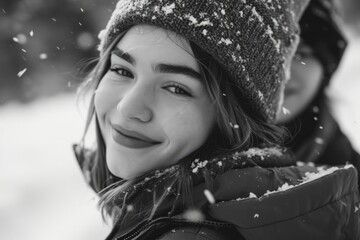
x: 256, y: 215
x: 20, y: 38
x: 286, y: 111
x: 130, y: 208
x: 209, y: 196
x: 21, y: 72
x: 31, y: 33
x: 43, y: 56
x: 315, y: 109
x: 319, y: 140
x: 81, y: 9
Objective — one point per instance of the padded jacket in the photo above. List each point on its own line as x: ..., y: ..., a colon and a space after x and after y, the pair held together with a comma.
x: 259, y: 194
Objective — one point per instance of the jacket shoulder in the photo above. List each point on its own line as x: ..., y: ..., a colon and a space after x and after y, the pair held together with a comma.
x: 324, y: 206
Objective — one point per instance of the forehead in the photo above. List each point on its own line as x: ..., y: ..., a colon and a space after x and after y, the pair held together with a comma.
x: 163, y: 44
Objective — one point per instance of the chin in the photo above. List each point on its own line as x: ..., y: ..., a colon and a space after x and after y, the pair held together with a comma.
x: 119, y: 168
x: 123, y: 173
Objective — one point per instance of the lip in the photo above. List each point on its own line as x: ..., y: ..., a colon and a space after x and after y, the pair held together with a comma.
x: 131, y: 139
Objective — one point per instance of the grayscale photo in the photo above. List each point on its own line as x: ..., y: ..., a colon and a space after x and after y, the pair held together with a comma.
x: 179, y: 119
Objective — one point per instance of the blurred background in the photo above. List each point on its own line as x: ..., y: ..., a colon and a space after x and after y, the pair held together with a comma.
x: 44, y: 46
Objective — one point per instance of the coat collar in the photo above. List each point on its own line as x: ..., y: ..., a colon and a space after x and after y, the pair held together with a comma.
x: 253, y: 190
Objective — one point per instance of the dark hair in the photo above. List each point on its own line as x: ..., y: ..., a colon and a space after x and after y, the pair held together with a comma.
x: 237, y: 129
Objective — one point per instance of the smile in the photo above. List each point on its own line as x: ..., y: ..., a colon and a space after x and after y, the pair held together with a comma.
x: 131, y: 139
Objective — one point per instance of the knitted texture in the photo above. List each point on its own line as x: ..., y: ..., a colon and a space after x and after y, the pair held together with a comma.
x: 253, y: 40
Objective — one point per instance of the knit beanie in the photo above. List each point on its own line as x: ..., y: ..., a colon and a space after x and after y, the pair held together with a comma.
x: 253, y: 40
x: 320, y: 31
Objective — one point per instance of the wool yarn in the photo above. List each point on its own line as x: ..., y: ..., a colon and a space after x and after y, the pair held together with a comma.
x: 253, y: 40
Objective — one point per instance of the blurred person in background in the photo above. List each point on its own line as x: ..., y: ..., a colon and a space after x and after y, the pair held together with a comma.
x: 316, y: 136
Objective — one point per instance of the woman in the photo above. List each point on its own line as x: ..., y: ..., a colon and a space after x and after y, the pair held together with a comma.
x: 184, y: 104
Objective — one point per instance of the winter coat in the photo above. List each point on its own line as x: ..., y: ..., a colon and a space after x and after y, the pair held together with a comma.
x: 318, y: 138
x: 260, y: 194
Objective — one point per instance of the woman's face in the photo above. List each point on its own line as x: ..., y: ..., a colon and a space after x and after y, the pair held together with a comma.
x: 306, y: 77
x: 152, y: 105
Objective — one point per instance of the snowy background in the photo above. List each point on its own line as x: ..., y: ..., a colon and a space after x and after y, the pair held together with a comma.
x: 42, y: 192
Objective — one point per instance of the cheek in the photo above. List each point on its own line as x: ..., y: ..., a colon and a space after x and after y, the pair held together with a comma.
x: 304, y: 84
x: 105, y: 99
x: 191, y: 126
x: 311, y: 81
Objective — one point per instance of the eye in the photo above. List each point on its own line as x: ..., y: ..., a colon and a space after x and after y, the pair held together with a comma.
x: 121, y: 71
x: 303, y: 52
x: 299, y: 55
x: 177, y: 89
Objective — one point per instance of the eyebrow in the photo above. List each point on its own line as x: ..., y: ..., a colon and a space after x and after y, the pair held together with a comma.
x: 178, y: 69
x: 125, y: 56
x: 161, y: 67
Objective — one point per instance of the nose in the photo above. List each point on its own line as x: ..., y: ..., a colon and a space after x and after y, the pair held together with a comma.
x: 135, y: 104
